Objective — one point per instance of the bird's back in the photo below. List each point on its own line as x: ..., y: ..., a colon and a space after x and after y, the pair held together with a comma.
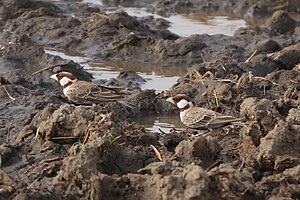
x: 83, y: 92
x: 202, y: 118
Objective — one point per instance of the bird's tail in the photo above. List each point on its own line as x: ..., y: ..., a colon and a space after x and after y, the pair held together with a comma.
x: 238, y: 123
x: 228, y: 120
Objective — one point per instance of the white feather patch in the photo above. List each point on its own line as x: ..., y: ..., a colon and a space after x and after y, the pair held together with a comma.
x: 65, y: 80
x: 182, y: 103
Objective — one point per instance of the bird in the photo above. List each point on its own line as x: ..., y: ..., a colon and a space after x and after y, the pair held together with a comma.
x: 82, y: 92
x: 201, y: 118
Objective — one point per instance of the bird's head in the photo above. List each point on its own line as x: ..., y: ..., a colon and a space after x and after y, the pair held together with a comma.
x: 64, y: 78
x: 182, y: 101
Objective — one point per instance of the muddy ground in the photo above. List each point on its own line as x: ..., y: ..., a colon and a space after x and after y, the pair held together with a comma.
x: 51, y: 149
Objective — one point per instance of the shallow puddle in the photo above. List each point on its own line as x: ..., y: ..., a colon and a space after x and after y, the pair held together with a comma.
x: 158, y: 77
x: 185, y: 25
x: 160, y: 123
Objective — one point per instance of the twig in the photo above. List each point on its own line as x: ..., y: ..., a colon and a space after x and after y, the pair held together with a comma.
x: 204, y: 93
x: 216, y: 163
x: 12, y: 98
x: 8, y: 131
x: 198, y: 73
x: 51, y: 67
x: 115, y: 139
x: 103, y: 117
x: 265, y: 79
x: 280, y: 7
x: 155, y: 107
x: 27, y: 159
x: 208, y: 74
x: 226, y: 80
x: 293, y: 81
x: 156, y: 152
x: 34, y: 182
x: 251, y: 56
x: 50, y: 160
x: 242, y: 165
x: 223, y: 67
x: 216, y: 98
x: 36, y: 134
x: 86, y: 136
x: 160, y: 130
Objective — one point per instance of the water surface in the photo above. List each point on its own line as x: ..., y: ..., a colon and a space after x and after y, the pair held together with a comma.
x: 187, y: 24
x: 161, y: 123
x: 158, y: 77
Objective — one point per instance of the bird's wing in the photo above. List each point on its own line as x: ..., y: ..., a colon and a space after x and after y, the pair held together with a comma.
x: 198, y: 117
x: 90, y: 93
x: 225, y: 119
x: 117, y: 90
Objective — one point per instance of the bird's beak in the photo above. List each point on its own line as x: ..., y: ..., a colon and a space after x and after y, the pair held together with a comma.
x: 54, y: 77
x: 170, y: 99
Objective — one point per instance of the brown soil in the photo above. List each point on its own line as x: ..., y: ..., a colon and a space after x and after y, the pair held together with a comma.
x: 51, y: 149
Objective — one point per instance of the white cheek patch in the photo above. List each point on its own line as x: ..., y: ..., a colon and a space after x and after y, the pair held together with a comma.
x: 64, y: 81
x: 182, y: 103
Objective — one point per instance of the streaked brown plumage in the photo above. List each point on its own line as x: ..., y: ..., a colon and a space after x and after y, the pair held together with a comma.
x: 87, y: 93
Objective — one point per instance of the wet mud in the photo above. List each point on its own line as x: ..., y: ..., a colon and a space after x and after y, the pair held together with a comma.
x: 51, y: 149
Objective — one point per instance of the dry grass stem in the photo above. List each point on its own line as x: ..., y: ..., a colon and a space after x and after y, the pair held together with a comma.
x: 50, y: 160
x: 265, y: 79
x: 160, y: 130
x: 216, y: 163
x: 293, y: 81
x: 116, y: 138
x: 37, y: 133
x: 156, y: 152
x: 86, y: 136
x: 209, y: 75
x: 242, y: 165
x: 12, y: 98
x: 216, y: 98
x: 223, y: 67
x: 280, y: 7
x: 198, y: 74
x: 226, y: 80
x: 251, y: 56
x: 51, y: 67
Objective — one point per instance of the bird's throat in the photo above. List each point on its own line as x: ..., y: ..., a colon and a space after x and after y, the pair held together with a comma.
x: 68, y: 84
x: 184, y: 108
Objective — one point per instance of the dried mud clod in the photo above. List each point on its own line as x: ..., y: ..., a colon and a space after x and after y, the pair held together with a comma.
x: 281, y: 141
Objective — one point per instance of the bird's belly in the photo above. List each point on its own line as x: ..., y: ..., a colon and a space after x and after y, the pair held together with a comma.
x: 190, y: 121
x: 68, y: 92
x: 184, y: 119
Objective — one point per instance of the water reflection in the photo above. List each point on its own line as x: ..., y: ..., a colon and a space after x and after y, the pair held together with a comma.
x: 166, y: 123
x: 182, y: 24
x: 158, y: 77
